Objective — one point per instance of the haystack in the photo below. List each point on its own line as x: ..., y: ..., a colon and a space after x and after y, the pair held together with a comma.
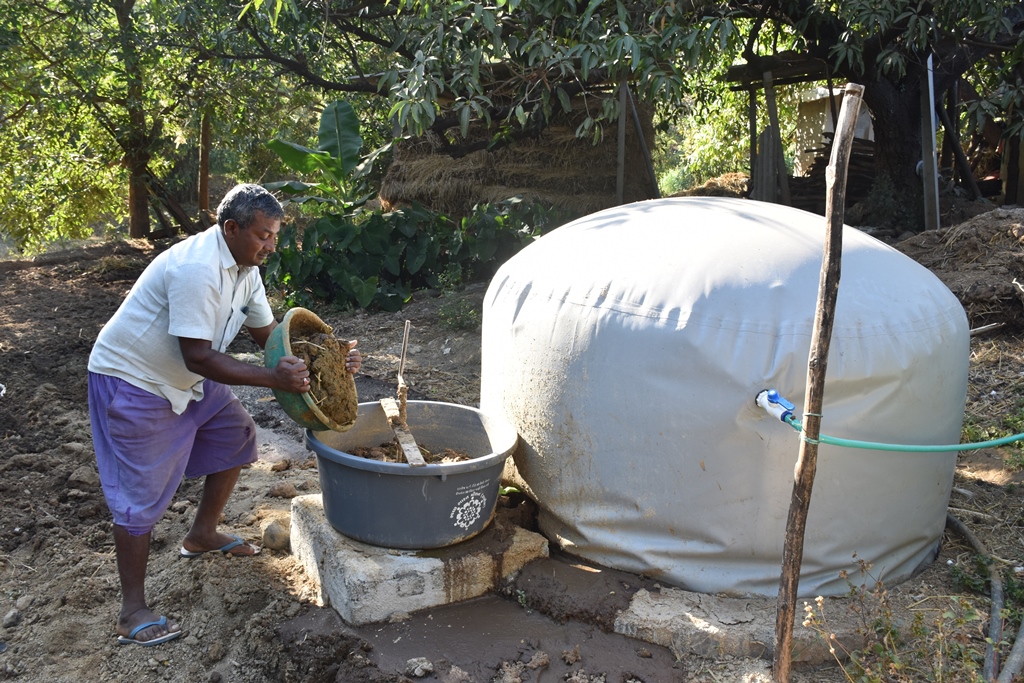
x: 556, y: 169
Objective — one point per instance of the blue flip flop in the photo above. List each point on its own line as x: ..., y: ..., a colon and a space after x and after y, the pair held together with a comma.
x: 223, y: 549
x: 131, y: 640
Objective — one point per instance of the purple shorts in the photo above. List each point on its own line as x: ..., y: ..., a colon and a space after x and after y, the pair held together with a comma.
x: 143, y: 449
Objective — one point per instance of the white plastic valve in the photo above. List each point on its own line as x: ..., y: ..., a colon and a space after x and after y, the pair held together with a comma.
x: 775, y: 405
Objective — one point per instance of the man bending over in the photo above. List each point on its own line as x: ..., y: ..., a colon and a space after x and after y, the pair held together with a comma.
x: 159, y: 397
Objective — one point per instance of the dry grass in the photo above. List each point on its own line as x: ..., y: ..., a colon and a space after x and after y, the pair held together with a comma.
x: 988, y: 481
x: 118, y: 263
x: 728, y: 185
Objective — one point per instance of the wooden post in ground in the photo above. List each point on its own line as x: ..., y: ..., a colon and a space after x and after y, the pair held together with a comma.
x: 752, y: 123
x: 929, y: 160
x: 620, y: 169
x: 824, y: 315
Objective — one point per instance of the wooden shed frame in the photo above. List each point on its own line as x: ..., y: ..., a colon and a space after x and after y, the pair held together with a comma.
x: 769, y: 177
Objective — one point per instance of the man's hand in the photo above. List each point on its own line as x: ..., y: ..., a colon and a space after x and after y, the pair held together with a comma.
x: 291, y: 374
x: 354, y: 359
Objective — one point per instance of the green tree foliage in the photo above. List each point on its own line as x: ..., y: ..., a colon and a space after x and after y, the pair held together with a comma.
x: 515, y: 62
x: 99, y: 98
x: 113, y: 59
x: 99, y: 67
x: 357, y: 257
x: 443, y: 66
x: 56, y: 181
x: 57, y: 177
x: 884, y: 47
x: 111, y: 86
x: 710, y: 136
x: 251, y: 100
x: 519, y: 62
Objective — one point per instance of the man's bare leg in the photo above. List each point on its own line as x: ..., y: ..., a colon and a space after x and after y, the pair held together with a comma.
x: 203, y: 535
x: 132, y: 560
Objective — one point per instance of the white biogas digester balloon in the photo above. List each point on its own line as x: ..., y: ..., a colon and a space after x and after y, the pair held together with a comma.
x: 627, y: 349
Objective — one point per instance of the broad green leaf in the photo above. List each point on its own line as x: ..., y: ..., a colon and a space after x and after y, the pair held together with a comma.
x: 366, y: 165
x: 393, y: 259
x: 589, y: 12
x: 416, y: 254
x: 339, y: 135
x: 376, y: 240
x: 363, y: 290
x: 297, y: 157
x: 289, y: 186
x: 343, y: 232
x: 563, y: 99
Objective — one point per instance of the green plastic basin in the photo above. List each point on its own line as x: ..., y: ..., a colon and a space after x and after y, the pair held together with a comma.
x: 298, y: 406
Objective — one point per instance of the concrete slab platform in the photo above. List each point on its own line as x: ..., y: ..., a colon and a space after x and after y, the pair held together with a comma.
x: 367, y: 584
x: 687, y: 623
x: 711, y: 626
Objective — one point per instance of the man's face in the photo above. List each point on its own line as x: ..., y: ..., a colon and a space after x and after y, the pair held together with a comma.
x: 251, y: 246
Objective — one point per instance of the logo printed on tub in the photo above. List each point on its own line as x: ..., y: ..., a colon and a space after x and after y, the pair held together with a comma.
x: 468, y: 510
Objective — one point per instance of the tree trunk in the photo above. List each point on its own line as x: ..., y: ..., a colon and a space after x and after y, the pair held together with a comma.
x: 204, y: 161
x: 135, y: 139
x: 896, y: 200
x: 138, y: 196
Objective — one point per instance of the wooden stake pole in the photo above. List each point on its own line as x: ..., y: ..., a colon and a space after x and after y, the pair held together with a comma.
x: 620, y: 169
x: 395, y: 411
x: 403, y: 388
x: 929, y: 162
x: 824, y: 315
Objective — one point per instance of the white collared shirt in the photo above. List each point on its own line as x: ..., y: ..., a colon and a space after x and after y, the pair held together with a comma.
x: 195, y: 289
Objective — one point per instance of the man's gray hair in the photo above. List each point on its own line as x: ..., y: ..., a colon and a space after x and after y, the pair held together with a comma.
x: 242, y: 203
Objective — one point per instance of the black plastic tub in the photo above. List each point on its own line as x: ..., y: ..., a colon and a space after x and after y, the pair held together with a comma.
x: 394, y: 505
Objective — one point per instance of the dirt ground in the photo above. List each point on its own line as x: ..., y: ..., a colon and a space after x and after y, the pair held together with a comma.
x: 255, y: 619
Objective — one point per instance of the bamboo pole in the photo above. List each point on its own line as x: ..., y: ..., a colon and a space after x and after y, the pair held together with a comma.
x: 824, y: 315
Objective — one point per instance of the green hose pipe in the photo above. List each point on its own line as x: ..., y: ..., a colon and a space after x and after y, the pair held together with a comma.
x: 779, y: 407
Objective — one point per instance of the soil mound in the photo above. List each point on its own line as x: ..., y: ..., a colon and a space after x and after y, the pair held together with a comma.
x: 981, y: 261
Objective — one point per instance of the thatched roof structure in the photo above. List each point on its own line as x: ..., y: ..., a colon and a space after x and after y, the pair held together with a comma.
x: 555, y: 168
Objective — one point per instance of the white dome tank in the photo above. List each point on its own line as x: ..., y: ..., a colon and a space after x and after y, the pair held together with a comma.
x: 627, y: 349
